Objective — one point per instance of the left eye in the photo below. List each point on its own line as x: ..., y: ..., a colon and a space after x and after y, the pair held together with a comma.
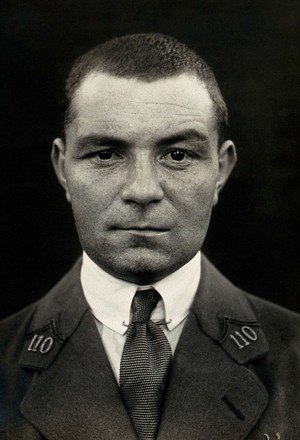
x: 177, y: 158
x: 178, y: 155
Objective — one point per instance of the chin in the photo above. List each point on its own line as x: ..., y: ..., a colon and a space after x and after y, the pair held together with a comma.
x: 142, y: 277
x: 144, y: 270
x: 143, y: 267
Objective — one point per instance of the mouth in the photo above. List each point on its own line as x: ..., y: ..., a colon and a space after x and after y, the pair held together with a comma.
x: 144, y: 231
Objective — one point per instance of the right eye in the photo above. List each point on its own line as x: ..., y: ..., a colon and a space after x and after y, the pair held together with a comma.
x: 105, y: 158
x: 105, y: 154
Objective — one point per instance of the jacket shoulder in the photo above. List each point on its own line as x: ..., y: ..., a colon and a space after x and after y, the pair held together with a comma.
x: 279, y: 320
x: 282, y: 331
x: 14, y: 328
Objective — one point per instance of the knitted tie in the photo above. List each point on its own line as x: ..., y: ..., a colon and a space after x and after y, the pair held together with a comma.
x: 144, y: 367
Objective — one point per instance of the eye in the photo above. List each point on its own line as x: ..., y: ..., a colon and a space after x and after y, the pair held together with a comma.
x: 105, y: 154
x: 177, y: 155
x: 178, y: 158
x: 106, y: 157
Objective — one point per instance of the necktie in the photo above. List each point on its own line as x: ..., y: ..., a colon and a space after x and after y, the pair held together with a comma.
x: 144, y: 367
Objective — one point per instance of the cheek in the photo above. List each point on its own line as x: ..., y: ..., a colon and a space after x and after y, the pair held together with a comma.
x: 92, y: 191
x: 195, y: 196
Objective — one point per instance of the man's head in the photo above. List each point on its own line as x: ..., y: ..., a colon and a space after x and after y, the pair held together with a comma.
x: 147, y: 57
x: 144, y: 155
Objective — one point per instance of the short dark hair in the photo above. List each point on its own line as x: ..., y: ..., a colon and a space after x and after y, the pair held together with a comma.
x: 147, y: 57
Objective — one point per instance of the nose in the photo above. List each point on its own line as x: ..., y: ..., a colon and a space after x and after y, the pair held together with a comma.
x: 143, y: 186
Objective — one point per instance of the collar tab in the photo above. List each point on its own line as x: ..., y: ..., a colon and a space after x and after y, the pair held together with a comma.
x: 244, y: 341
x: 55, y: 319
x: 224, y: 314
x: 42, y: 346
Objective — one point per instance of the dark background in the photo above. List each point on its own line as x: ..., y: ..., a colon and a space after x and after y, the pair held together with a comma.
x: 252, y: 47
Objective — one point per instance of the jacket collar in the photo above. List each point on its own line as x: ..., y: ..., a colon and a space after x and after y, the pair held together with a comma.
x: 56, y: 318
x: 73, y: 393
x: 209, y: 387
x: 211, y: 392
x: 224, y: 314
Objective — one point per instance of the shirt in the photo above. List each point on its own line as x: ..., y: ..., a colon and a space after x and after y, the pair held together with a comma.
x: 110, y: 301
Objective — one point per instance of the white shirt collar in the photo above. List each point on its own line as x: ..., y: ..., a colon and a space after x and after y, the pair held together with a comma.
x: 110, y: 298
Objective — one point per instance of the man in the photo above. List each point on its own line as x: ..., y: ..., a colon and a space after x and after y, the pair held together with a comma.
x: 144, y: 338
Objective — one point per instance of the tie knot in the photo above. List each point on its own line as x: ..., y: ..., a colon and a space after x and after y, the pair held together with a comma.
x: 143, y: 303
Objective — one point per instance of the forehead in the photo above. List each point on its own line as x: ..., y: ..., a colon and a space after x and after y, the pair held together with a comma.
x: 131, y: 104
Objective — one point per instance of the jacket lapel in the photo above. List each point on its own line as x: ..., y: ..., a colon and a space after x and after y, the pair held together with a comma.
x: 211, y: 392
x: 74, y: 393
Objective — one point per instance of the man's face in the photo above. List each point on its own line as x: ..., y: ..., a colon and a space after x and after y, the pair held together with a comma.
x: 142, y: 170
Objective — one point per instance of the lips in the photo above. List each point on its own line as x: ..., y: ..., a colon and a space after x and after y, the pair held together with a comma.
x: 144, y: 233
x: 146, y: 229
x: 142, y: 228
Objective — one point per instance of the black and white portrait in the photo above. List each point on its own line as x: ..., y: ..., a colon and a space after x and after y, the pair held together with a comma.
x: 149, y: 224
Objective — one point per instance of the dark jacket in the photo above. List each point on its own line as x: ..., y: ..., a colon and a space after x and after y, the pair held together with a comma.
x: 235, y: 373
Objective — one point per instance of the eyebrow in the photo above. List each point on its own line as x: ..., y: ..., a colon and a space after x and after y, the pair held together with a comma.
x: 181, y: 136
x: 95, y: 139
x: 184, y: 135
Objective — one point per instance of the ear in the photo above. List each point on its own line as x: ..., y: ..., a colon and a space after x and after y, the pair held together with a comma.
x: 227, y: 160
x: 58, y: 156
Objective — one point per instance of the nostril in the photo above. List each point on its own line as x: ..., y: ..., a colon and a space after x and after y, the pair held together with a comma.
x: 147, y: 192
